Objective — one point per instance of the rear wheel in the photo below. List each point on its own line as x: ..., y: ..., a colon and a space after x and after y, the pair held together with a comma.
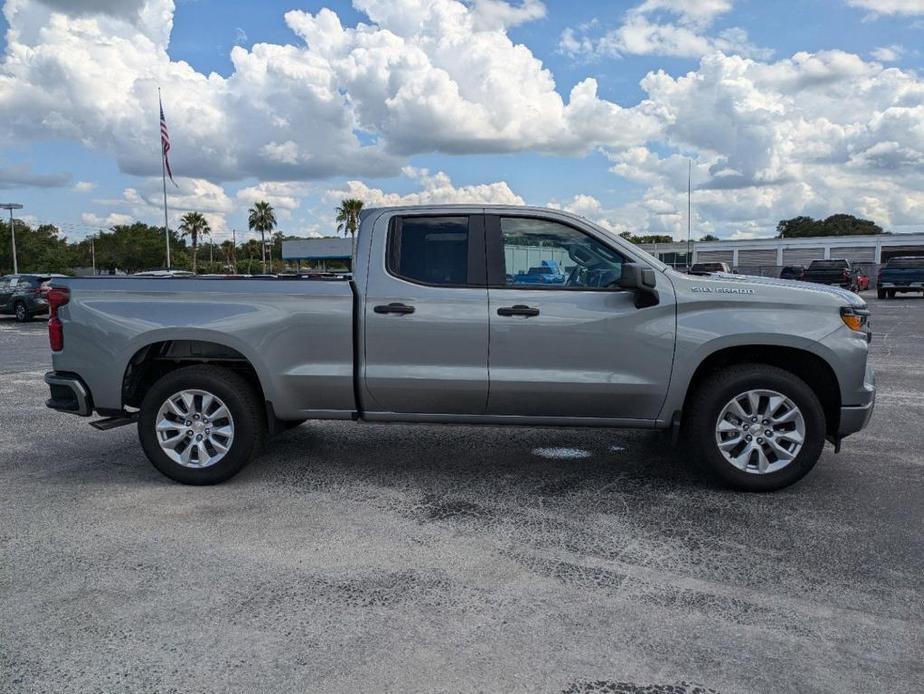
x: 22, y: 315
x: 201, y: 424
x: 880, y: 293
x: 757, y: 427
x: 890, y: 293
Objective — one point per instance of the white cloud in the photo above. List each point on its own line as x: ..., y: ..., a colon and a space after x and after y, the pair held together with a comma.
x: 110, y: 220
x: 812, y: 134
x: 888, y: 54
x: 84, y: 186
x: 418, y: 77
x: 890, y: 7
x: 662, y: 27
x: 284, y: 197
x: 499, y: 14
x: 21, y: 175
x: 434, y: 189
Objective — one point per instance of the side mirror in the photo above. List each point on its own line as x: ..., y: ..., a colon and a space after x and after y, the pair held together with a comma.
x: 640, y: 279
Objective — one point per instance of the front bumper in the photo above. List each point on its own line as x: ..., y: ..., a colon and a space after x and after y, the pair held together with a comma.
x: 856, y: 417
x: 68, y: 394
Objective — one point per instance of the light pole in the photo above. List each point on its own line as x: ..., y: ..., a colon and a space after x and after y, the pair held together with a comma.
x: 12, y: 206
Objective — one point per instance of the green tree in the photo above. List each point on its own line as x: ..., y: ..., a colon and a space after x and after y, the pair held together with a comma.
x: 135, y: 247
x: 229, y: 251
x: 835, y: 225
x: 42, y: 249
x: 262, y: 218
x: 194, y: 227
x: 649, y: 238
x: 348, y: 215
x: 709, y: 237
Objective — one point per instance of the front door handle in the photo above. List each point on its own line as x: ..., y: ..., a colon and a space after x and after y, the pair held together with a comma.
x: 394, y: 308
x: 518, y: 310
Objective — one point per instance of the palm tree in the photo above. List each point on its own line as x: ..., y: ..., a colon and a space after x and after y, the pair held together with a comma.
x: 230, y: 259
x: 348, y: 215
x: 263, y: 219
x: 195, y: 226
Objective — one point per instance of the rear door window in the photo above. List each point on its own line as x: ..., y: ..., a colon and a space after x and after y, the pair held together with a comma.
x: 439, y: 251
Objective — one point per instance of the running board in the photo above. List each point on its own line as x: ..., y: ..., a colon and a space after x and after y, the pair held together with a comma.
x: 113, y: 422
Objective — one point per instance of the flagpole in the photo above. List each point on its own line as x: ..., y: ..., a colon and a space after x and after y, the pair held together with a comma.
x: 163, y: 176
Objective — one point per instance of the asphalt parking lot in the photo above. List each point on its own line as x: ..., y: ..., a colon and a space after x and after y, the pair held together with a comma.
x: 394, y: 558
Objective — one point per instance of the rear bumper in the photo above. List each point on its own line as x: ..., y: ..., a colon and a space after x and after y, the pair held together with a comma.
x: 68, y: 394
x: 903, y: 286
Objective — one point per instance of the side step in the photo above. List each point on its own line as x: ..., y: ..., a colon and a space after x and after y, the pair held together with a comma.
x: 113, y: 422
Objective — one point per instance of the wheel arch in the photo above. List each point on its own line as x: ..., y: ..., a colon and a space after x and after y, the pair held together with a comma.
x: 154, y: 359
x: 808, y: 366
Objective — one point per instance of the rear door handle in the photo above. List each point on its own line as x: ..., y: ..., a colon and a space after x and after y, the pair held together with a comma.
x: 394, y: 308
x: 518, y: 310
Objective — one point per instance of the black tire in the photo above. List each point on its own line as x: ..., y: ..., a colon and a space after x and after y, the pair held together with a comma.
x: 890, y: 293
x: 21, y: 313
x: 715, y: 392
x: 880, y: 293
x: 246, y: 407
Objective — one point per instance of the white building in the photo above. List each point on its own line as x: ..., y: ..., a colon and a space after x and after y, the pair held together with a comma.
x: 767, y: 256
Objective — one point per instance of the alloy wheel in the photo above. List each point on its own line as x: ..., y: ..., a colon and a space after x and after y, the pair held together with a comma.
x: 760, y: 431
x: 194, y: 428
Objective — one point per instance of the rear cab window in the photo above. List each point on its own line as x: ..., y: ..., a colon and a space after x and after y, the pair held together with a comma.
x: 829, y: 265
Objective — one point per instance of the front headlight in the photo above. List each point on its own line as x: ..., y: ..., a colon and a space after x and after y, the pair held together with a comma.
x: 855, y: 318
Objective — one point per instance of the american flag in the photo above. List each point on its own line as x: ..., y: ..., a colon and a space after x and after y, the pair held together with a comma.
x: 165, y: 141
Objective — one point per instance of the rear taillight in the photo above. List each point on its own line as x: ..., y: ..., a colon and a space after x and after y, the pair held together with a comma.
x: 57, y: 297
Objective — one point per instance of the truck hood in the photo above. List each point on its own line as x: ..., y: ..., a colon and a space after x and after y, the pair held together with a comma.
x: 807, y: 289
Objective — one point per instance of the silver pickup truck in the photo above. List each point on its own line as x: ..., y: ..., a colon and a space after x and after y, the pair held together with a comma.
x: 470, y: 314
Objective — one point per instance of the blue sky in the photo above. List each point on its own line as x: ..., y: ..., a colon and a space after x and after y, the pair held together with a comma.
x: 809, y: 107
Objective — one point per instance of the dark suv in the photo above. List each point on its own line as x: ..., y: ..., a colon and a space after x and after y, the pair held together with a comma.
x: 23, y: 295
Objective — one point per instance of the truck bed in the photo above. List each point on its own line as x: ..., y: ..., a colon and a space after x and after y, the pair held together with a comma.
x: 296, y: 332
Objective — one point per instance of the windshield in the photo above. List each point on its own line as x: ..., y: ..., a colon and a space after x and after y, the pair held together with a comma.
x: 644, y: 255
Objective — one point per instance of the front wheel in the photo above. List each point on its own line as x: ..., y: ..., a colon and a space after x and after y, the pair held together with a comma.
x: 757, y: 428
x: 22, y: 315
x: 201, y: 424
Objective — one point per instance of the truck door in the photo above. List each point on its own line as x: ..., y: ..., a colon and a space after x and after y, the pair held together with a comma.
x: 425, y: 316
x: 564, y: 341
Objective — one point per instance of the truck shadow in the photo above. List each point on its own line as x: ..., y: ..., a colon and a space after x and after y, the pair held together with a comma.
x: 538, y: 462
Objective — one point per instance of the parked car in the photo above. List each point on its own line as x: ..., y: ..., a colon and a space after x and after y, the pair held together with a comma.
x: 754, y: 374
x: 792, y: 272
x: 838, y: 272
x: 901, y: 274
x: 862, y: 281
x: 164, y: 273
x: 547, y: 272
x: 24, y: 296
x: 709, y: 268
